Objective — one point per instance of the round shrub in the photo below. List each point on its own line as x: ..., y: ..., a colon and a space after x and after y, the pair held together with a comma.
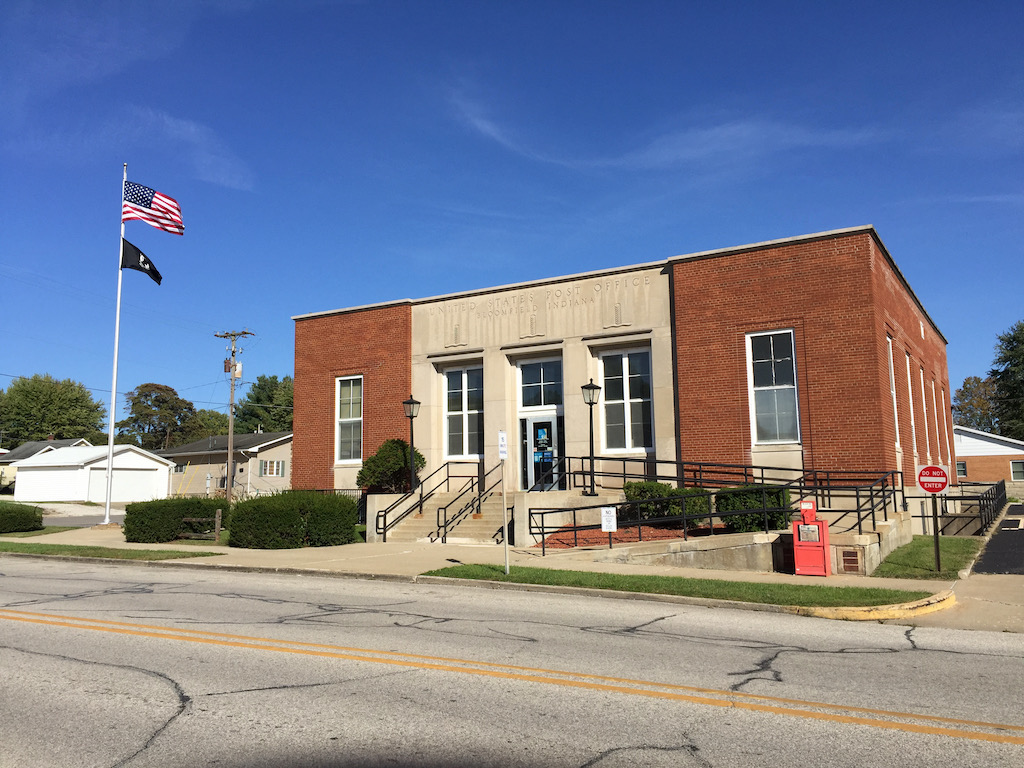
x: 266, y: 522
x: 294, y: 519
x: 756, y: 498
x: 20, y: 517
x: 661, y: 500
x: 330, y: 520
x: 155, y: 522
x: 387, y: 471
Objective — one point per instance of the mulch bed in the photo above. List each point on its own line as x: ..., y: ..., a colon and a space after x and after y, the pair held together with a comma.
x: 564, y: 538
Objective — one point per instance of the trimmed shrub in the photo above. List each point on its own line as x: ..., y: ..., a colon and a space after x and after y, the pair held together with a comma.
x: 387, y: 471
x: 15, y: 518
x: 156, y: 522
x: 754, y: 497
x: 293, y: 519
x: 656, y: 500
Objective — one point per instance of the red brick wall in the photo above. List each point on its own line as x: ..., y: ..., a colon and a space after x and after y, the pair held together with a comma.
x: 826, y: 290
x: 899, y: 317
x: 989, y: 469
x: 375, y: 343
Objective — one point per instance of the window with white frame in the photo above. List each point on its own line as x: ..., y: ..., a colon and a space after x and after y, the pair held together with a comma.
x: 271, y: 468
x: 541, y: 383
x: 910, y: 397
x: 961, y: 469
x: 892, y: 391
x: 464, y: 412
x: 179, y: 469
x: 628, y: 419
x: 1017, y: 470
x: 349, y: 436
x: 772, y: 377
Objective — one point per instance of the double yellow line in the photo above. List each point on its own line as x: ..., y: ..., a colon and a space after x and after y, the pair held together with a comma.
x: 999, y: 733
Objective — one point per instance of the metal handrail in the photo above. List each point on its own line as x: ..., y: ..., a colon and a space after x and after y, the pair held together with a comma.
x: 383, y: 525
x: 874, y: 492
x: 477, y: 484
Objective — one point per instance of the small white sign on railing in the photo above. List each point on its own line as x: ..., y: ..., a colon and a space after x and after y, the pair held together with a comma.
x: 609, y: 522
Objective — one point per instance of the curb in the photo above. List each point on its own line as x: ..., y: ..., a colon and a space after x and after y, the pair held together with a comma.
x: 936, y: 602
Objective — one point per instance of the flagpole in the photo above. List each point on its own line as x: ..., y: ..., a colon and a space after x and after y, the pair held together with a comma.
x: 113, y: 384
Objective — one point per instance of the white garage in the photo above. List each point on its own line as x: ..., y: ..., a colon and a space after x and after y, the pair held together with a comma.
x: 80, y: 474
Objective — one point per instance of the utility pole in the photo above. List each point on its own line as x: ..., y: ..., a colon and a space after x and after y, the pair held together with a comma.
x: 231, y: 366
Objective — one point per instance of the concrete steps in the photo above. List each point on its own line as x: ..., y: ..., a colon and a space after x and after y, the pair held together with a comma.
x: 484, y: 528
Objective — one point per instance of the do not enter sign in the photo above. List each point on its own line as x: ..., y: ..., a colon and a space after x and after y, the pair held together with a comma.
x: 932, y: 479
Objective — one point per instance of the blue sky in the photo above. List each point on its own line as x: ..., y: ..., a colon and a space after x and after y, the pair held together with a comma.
x: 331, y: 154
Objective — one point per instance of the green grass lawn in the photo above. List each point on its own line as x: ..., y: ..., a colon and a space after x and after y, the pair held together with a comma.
x: 749, y: 592
x: 109, y: 553
x: 916, y: 560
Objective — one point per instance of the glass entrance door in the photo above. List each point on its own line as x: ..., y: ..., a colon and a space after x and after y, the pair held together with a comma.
x: 540, y: 448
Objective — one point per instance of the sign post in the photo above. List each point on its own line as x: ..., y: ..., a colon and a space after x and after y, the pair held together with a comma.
x: 503, y: 454
x: 933, y: 480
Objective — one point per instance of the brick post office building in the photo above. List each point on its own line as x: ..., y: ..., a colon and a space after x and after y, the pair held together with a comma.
x: 809, y: 353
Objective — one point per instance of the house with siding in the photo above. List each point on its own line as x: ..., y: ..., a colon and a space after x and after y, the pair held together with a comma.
x: 262, y: 464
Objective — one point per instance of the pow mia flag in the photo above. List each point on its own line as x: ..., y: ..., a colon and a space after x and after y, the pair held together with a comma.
x: 133, y: 258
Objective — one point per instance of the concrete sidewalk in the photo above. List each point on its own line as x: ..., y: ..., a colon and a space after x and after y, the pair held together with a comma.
x: 982, y: 602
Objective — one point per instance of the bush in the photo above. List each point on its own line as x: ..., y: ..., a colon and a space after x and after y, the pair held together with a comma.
x: 387, y: 471
x: 155, y: 522
x: 753, y: 497
x: 651, y: 498
x: 293, y: 519
x: 19, y: 517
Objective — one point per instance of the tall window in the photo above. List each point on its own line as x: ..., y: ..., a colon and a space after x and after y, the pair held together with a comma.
x: 350, y: 418
x: 910, y: 394
x: 927, y: 437
x: 773, y: 387
x: 892, y: 391
x: 628, y: 424
x: 542, y: 383
x: 465, y: 411
x: 1017, y: 470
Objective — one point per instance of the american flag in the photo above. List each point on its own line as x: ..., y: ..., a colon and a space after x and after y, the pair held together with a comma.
x: 150, y: 206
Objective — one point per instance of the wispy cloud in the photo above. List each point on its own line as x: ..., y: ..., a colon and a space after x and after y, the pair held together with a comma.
x: 211, y: 159
x: 733, y: 143
x: 136, y: 129
x: 992, y: 128
x: 742, y: 140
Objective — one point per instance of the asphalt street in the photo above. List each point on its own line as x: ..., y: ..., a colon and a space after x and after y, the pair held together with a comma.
x: 140, y: 666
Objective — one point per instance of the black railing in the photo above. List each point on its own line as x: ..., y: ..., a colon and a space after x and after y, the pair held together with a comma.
x: 442, y: 477
x: 685, y: 513
x: 966, y: 509
x: 868, y: 495
x: 468, y: 501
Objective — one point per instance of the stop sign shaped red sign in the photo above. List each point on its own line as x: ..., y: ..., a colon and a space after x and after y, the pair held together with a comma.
x: 932, y: 479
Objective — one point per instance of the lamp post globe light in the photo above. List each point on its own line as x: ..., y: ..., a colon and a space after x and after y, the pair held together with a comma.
x: 412, y: 409
x: 591, y: 392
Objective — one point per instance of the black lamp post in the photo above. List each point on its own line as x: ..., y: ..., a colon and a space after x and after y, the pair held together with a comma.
x: 412, y: 409
x: 590, y: 395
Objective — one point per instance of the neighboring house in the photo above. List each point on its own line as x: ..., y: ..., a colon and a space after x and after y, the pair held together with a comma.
x: 810, y: 353
x: 27, y: 450
x: 262, y: 465
x: 79, y: 473
x: 987, y: 458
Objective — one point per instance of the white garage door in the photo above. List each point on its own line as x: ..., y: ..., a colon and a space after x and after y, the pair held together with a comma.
x: 128, y: 485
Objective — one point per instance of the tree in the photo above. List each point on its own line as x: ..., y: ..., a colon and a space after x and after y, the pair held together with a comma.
x: 1007, y: 375
x: 203, y: 423
x: 267, y: 406
x: 35, y: 408
x: 157, y: 416
x: 974, y: 404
